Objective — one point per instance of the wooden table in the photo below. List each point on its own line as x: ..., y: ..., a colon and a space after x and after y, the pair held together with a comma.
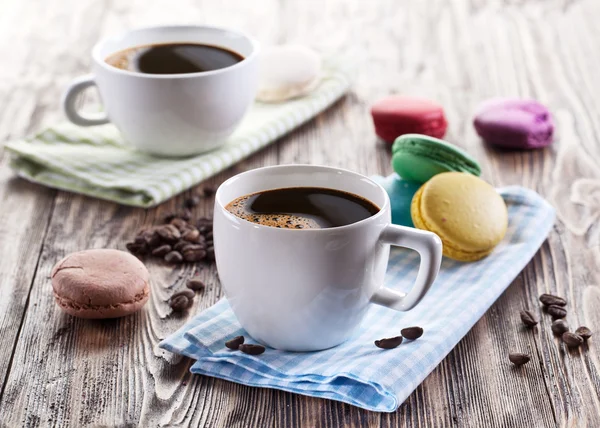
x: 60, y: 371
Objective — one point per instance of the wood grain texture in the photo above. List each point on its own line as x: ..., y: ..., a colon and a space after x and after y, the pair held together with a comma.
x: 64, y: 372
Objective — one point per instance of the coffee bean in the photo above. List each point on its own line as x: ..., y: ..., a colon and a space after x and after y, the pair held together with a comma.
x: 550, y: 299
x: 412, y: 333
x: 559, y: 327
x: 180, y: 244
x: 210, y: 253
x: 557, y: 311
x: 518, y: 358
x: 209, y: 235
x: 179, y: 223
x: 193, y: 253
x: 252, y: 349
x: 179, y: 303
x: 192, y: 201
x: 191, y: 236
x: 173, y: 257
x: 169, y: 217
x: 389, y: 343
x: 185, y: 292
x: 169, y: 233
x: 152, y: 238
x: 203, y: 229
x: 185, y: 214
x: 584, y: 332
x: 528, y: 318
x: 204, y: 221
x: 572, y: 340
x: 208, y: 192
x: 135, y: 248
x: 235, y: 343
x: 195, y: 284
x: 162, y: 250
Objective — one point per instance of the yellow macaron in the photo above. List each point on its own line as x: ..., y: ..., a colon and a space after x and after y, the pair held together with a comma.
x: 467, y: 214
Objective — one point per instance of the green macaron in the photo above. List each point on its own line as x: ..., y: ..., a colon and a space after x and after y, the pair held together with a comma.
x: 419, y: 157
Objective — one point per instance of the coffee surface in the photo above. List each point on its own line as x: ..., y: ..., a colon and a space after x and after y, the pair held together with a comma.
x: 302, y: 208
x: 174, y: 58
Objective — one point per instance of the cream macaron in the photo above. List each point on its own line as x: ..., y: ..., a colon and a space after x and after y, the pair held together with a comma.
x: 286, y: 72
x: 467, y: 214
x: 100, y: 283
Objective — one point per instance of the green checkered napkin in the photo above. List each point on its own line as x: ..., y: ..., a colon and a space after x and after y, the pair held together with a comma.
x: 96, y: 162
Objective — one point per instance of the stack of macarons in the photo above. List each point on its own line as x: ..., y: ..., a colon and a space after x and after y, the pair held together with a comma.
x: 438, y: 189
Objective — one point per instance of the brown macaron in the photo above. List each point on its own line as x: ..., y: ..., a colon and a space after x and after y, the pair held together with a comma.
x: 100, y: 283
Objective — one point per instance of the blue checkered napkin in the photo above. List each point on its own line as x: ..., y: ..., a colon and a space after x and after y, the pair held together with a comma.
x: 357, y: 372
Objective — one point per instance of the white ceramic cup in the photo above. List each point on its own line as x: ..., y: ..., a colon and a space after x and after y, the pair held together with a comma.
x: 308, y: 289
x: 171, y: 114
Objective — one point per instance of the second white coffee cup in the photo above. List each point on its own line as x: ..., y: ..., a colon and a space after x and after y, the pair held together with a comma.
x: 171, y: 114
x: 308, y: 289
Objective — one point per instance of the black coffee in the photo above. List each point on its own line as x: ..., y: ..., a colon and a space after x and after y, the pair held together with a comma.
x: 302, y: 208
x: 174, y: 58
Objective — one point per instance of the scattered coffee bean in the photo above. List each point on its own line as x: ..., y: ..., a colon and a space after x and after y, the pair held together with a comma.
x: 412, y: 333
x: 191, y: 236
x: 557, y: 311
x: 193, y: 253
x: 208, y: 192
x: 528, y: 318
x: 518, y: 358
x: 135, y: 248
x: 209, y: 235
x: 179, y: 236
x: 169, y: 217
x: 173, y: 257
x: 235, y: 343
x: 180, y: 245
x: 185, y: 292
x: 192, y: 201
x: 185, y: 214
x: 152, y: 238
x: 195, y: 284
x: 584, y: 332
x: 210, y: 253
x: 162, y: 250
x: 169, y: 233
x: 559, y: 327
x: 251, y: 349
x: 389, y: 343
x: 179, y: 223
x: 550, y: 299
x: 572, y: 340
x: 179, y: 303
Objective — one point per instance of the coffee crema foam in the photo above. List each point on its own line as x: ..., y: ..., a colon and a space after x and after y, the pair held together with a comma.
x: 238, y: 207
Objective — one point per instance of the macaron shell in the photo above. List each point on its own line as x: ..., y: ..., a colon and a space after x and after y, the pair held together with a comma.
x: 419, y: 157
x: 398, y: 115
x: 466, y: 212
x: 100, y: 283
x: 514, y: 123
x: 401, y: 193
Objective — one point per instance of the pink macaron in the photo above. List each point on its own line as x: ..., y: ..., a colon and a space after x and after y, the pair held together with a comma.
x: 100, y: 283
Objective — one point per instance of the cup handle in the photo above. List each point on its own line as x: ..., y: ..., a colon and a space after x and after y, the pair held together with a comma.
x: 70, y: 97
x: 429, y: 247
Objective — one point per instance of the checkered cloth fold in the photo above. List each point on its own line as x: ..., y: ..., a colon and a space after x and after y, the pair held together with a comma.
x: 357, y: 372
x: 96, y: 162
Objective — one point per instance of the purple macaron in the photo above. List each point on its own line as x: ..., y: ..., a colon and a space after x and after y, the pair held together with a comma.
x: 514, y: 123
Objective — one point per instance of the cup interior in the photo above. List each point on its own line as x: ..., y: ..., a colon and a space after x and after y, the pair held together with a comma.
x: 277, y: 177
x: 221, y: 37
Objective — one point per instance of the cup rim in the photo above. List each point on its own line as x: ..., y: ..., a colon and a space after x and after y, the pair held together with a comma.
x: 102, y: 63
x: 364, y: 222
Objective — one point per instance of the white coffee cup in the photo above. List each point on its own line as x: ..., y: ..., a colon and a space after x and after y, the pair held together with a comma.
x: 171, y: 114
x: 308, y: 289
